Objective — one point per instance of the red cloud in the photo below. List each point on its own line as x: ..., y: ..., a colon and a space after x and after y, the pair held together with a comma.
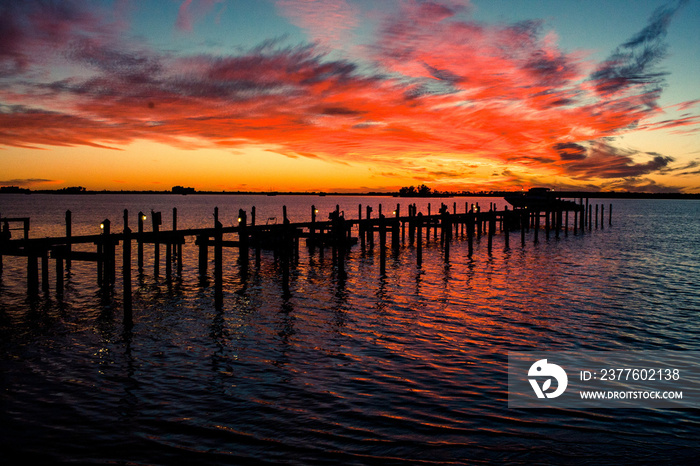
x: 443, y: 86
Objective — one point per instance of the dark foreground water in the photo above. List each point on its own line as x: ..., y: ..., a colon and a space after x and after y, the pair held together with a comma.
x: 409, y: 368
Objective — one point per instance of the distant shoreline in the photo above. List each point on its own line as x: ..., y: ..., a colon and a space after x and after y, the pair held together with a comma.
x: 563, y: 194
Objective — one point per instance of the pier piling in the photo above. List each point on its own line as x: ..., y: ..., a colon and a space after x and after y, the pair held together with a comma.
x: 59, y: 276
x: 218, y: 263
x: 69, y: 234
x: 382, y: 244
x: 243, y: 238
x: 126, y: 273
x: 139, y: 241
x: 419, y: 240
x: 156, y: 220
x: 283, y: 239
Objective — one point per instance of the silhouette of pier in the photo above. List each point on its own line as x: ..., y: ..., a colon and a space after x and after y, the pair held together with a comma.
x: 389, y: 229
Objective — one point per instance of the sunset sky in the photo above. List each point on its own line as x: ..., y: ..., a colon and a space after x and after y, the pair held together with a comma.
x: 350, y: 95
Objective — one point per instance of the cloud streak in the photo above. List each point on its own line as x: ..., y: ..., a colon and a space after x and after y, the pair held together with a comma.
x: 440, y: 86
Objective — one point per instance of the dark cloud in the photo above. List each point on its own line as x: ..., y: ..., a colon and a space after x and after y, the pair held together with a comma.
x: 682, y: 170
x: 25, y: 181
x: 340, y: 111
x: 638, y: 184
x: 33, y: 32
x: 132, y: 65
x: 633, y: 63
x: 606, y: 161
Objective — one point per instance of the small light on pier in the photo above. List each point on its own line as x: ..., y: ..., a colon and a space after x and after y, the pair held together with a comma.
x: 102, y: 226
x: 315, y: 211
x: 143, y: 217
x: 239, y: 219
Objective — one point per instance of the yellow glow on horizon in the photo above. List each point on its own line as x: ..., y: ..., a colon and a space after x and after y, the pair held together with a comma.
x: 146, y: 165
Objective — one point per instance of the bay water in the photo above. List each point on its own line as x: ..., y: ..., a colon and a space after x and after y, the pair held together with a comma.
x: 409, y: 367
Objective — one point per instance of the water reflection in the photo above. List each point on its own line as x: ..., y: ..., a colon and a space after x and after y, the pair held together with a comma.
x: 305, y: 364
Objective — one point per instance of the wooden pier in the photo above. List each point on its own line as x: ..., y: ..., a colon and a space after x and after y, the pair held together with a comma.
x: 337, y: 233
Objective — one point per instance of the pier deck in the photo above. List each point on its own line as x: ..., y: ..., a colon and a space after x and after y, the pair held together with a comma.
x: 338, y: 233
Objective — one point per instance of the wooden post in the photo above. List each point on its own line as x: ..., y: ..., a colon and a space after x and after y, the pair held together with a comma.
x: 252, y: 216
x: 59, y: 275
x: 126, y: 273
x: 369, y: 231
x: 523, y: 223
x: 107, y: 254
x: 537, y: 226
x: 610, y: 216
x: 342, y: 241
x: 411, y: 224
x: 218, y: 265
x: 139, y: 241
x: 492, y: 229
x: 170, y: 250
x: 110, y: 260
x: 596, y: 216
x: 69, y: 234
x: 335, y: 237
x: 203, y: 243
x: 441, y: 223
x: 428, y: 224
x: 419, y: 240
x: 403, y: 226
x: 178, y: 245
x: 395, y: 230
x: 602, y: 216
x: 446, y: 230
x: 470, y: 232
x: 505, y: 222
x: 155, y: 222
x: 382, y: 245
x: 243, y: 238
x: 100, y: 262
x: 312, y: 228
x: 547, y: 214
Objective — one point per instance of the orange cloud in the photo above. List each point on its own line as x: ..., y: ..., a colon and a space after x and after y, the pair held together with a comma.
x: 442, y: 87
